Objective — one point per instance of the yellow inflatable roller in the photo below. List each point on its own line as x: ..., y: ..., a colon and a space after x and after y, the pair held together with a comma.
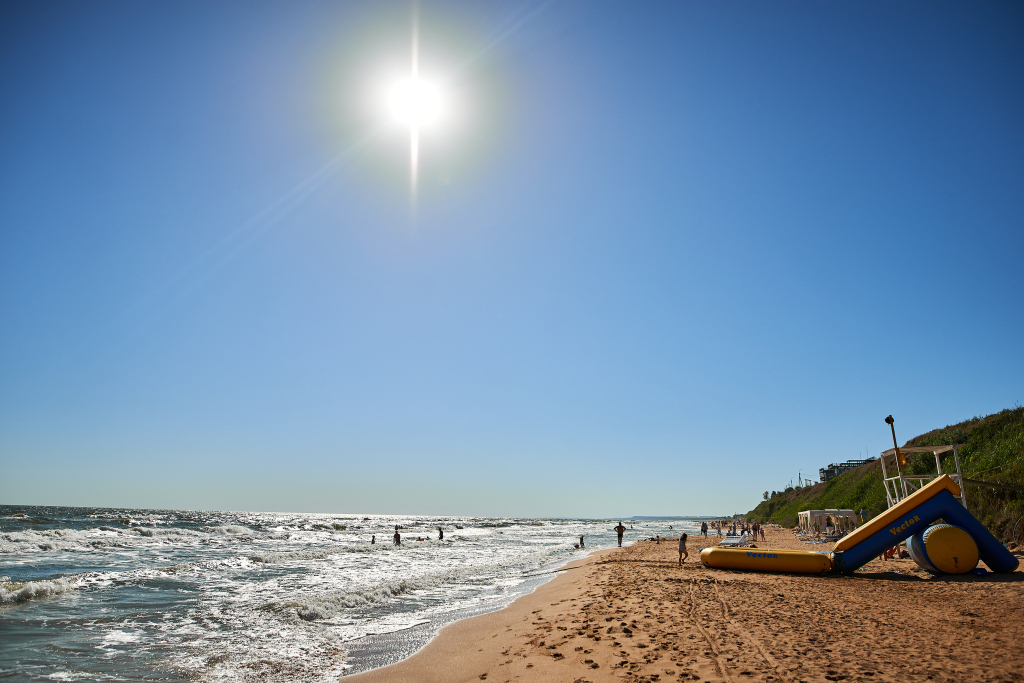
x: 766, y: 560
x: 944, y: 549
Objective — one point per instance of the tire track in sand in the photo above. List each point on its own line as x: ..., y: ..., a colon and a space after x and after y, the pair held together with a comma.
x: 707, y: 638
x: 749, y: 636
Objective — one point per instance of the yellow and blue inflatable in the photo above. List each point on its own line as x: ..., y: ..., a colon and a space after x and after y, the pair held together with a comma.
x: 952, y: 548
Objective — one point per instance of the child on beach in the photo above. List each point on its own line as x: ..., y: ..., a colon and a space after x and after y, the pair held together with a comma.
x: 682, y: 549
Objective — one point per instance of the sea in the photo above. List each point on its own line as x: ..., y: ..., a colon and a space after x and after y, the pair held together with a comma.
x: 103, y: 594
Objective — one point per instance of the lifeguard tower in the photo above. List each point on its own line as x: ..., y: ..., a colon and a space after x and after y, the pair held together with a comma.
x: 900, y: 485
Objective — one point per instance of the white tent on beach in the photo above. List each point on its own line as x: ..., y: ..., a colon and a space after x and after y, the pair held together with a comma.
x: 843, y: 520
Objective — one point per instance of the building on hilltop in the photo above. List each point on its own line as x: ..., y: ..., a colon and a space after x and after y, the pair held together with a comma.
x: 835, y: 469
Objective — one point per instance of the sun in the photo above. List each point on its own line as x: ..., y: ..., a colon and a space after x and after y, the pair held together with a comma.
x: 415, y: 102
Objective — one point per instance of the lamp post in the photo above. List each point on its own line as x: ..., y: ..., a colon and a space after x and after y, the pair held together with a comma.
x: 900, y: 461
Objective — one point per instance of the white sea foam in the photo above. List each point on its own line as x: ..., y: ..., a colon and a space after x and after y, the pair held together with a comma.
x: 120, y: 638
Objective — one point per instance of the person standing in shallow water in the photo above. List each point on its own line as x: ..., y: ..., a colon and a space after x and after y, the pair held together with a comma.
x: 581, y: 542
x: 620, y: 530
x: 440, y: 534
x: 398, y: 536
x: 683, y: 554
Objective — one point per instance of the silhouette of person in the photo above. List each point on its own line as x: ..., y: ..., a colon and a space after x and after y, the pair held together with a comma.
x: 620, y: 530
x: 581, y: 542
x: 398, y: 536
x: 373, y: 539
x: 440, y: 534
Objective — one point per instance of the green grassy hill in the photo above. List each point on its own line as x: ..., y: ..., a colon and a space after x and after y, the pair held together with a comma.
x: 994, y: 453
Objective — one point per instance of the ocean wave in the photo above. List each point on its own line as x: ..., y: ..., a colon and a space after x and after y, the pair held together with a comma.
x: 14, y: 593
x: 299, y: 555
x: 325, y: 606
x: 36, y: 540
x: 227, y: 530
x: 48, y: 540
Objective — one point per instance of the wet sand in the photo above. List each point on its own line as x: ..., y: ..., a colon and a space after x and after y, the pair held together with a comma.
x: 632, y: 614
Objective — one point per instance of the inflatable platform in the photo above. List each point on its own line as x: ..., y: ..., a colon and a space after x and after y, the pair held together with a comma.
x: 902, y: 521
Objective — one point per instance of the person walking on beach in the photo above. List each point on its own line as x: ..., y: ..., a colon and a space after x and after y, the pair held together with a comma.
x: 683, y: 554
x: 704, y: 529
x: 620, y: 530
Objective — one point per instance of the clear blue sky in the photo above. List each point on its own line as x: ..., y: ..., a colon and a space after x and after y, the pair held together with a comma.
x: 662, y: 257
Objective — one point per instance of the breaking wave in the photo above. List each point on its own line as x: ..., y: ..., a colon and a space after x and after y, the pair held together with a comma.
x: 300, y: 555
x: 14, y: 593
x: 327, y: 605
x: 47, y: 540
x: 227, y: 530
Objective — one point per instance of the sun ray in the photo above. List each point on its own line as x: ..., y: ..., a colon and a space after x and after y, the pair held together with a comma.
x: 414, y: 133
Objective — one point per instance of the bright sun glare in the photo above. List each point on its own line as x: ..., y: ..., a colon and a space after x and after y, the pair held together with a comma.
x: 415, y: 102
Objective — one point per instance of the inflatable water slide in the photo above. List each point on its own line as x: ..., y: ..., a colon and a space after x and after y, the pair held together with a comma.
x: 953, y: 547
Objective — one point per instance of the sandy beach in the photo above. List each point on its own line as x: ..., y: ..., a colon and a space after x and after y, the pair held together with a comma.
x: 633, y: 614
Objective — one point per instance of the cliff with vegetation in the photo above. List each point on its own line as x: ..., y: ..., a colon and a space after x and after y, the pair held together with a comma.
x: 994, y: 454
